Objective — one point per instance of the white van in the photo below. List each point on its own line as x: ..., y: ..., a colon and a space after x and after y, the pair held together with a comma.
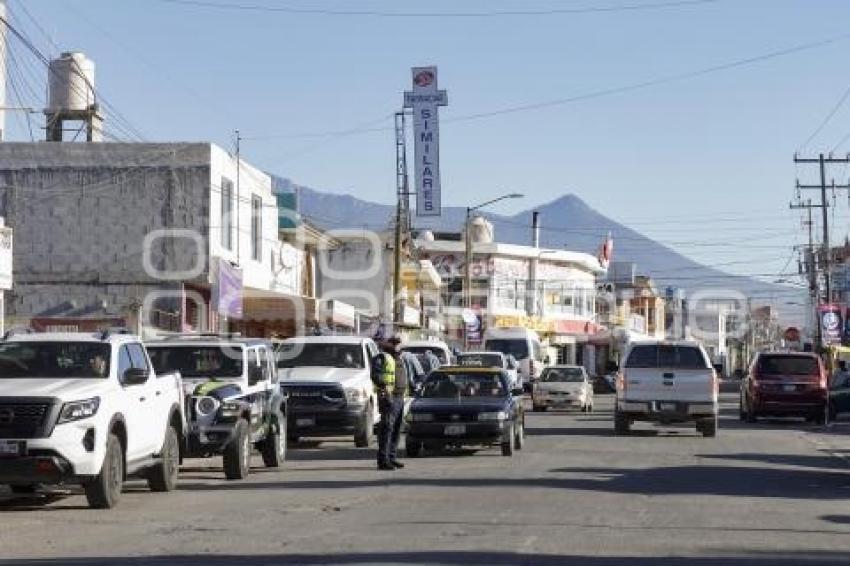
x: 437, y: 347
x: 521, y: 343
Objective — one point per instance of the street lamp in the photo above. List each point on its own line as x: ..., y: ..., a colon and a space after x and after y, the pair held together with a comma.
x: 467, y: 280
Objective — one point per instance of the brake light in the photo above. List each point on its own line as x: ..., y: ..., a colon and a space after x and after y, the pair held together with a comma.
x: 622, y: 384
x: 823, y: 380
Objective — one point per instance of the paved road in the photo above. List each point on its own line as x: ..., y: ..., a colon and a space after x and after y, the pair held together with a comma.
x: 772, y: 493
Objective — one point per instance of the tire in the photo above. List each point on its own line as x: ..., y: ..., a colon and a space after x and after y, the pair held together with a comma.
x: 364, y: 433
x: 508, y: 442
x: 820, y: 418
x: 590, y: 408
x: 742, y: 413
x: 833, y: 413
x: 708, y: 427
x: 237, y: 454
x: 412, y: 448
x: 621, y: 424
x: 163, y: 476
x: 104, y: 491
x: 273, y: 448
x: 24, y: 489
x: 519, y: 436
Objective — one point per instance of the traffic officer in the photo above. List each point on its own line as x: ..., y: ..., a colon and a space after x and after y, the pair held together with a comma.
x: 391, y: 387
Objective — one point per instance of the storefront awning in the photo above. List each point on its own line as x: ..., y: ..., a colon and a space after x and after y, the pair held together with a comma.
x: 270, y: 306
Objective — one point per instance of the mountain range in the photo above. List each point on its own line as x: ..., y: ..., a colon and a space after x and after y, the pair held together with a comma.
x: 566, y: 223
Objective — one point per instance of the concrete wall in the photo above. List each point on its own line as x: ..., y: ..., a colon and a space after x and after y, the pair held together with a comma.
x: 371, y: 294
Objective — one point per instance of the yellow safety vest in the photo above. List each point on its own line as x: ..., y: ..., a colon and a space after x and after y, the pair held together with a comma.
x: 388, y: 371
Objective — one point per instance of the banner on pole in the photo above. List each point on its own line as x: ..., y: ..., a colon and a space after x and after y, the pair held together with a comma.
x: 425, y: 99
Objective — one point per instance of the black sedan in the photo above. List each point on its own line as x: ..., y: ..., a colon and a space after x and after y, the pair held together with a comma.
x: 462, y: 406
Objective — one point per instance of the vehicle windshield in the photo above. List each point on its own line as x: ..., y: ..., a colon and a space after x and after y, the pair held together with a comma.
x: 517, y: 347
x: 309, y: 354
x: 788, y: 365
x: 54, y: 360
x: 563, y: 375
x: 666, y: 356
x: 420, y: 352
x: 480, y: 360
x: 198, y: 361
x: 443, y: 385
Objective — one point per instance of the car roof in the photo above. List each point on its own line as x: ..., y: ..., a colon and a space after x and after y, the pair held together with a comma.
x: 94, y: 337
x: 564, y: 366
x: 488, y: 353
x: 424, y: 344
x: 789, y: 354
x: 467, y: 369
x: 325, y: 340
x: 206, y: 341
x: 691, y: 343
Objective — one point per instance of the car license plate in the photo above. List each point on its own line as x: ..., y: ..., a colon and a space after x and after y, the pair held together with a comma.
x: 305, y: 422
x: 668, y: 406
x: 455, y: 430
x: 11, y: 447
x: 789, y: 388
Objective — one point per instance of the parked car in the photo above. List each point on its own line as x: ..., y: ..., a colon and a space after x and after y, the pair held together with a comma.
x: 524, y: 345
x: 667, y: 383
x: 492, y: 359
x: 839, y: 396
x: 465, y: 406
x: 233, y: 399
x: 87, y: 409
x: 563, y: 387
x: 328, y: 383
x: 785, y: 384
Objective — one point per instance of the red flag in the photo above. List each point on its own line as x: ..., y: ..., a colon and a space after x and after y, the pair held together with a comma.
x: 606, y: 251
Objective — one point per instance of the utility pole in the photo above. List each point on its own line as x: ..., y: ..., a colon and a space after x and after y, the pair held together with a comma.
x: 809, y: 264
x: 238, y: 197
x: 400, y: 213
x: 822, y: 162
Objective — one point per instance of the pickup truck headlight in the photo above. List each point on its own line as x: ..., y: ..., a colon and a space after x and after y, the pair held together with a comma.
x: 207, y: 405
x: 420, y: 417
x: 493, y: 416
x: 355, y: 396
x: 78, y: 410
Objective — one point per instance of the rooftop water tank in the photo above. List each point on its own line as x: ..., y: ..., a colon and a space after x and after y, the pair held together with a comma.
x: 71, y: 83
x: 481, y: 230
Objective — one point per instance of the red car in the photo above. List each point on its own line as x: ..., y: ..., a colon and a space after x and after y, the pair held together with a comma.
x: 785, y: 384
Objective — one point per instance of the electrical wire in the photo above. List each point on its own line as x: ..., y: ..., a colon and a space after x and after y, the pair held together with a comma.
x: 481, y: 14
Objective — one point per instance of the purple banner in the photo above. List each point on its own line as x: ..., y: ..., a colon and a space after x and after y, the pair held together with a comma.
x: 227, y: 292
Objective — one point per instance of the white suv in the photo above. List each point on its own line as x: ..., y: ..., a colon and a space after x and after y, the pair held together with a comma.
x: 88, y: 409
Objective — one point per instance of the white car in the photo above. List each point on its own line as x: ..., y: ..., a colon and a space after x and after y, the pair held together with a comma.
x: 420, y: 347
x: 667, y: 383
x: 329, y: 386
x: 563, y: 387
x: 87, y: 409
x: 492, y: 359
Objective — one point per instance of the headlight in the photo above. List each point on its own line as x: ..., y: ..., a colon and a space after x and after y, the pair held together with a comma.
x: 355, y: 396
x: 494, y: 416
x: 77, y: 410
x: 231, y: 409
x: 207, y: 405
x: 421, y: 417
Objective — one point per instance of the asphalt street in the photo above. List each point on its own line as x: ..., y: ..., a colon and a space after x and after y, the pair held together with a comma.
x: 769, y: 493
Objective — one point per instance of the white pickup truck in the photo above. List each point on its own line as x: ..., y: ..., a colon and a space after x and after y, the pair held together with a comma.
x: 667, y: 383
x: 86, y: 408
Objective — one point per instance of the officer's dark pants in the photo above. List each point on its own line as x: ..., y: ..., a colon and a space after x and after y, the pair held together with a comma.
x: 389, y: 428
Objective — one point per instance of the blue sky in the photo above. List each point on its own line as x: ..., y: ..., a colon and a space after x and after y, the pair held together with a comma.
x: 695, y: 161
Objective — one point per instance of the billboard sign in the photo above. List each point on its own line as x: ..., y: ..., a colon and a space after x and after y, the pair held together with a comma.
x: 831, y: 323
x: 425, y: 99
x: 227, y: 291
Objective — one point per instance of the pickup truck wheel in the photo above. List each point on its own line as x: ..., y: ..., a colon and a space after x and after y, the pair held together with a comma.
x: 363, y: 434
x: 412, y: 448
x: 621, y: 424
x: 508, y: 442
x: 163, y: 476
x: 104, y: 491
x: 708, y: 427
x: 237, y: 454
x: 273, y: 448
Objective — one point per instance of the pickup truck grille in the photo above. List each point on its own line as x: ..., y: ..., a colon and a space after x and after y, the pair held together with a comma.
x: 314, y: 396
x: 23, y: 420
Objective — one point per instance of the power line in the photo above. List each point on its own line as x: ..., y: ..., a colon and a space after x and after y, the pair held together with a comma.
x: 481, y: 14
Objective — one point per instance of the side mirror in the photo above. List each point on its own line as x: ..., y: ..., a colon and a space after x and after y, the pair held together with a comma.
x: 517, y: 392
x: 255, y: 375
x: 134, y: 376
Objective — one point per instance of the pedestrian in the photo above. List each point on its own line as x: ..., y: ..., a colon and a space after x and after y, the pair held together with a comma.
x: 391, y: 386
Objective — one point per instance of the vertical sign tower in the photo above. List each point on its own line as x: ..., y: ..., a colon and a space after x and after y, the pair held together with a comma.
x: 425, y: 99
